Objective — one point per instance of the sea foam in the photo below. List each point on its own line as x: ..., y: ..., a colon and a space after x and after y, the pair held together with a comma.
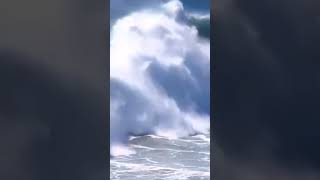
x: 159, y: 75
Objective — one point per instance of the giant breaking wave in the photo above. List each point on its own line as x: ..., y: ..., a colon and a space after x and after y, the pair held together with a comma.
x: 159, y: 76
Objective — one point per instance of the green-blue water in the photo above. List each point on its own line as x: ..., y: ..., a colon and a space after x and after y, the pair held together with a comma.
x: 201, y: 7
x: 198, y: 5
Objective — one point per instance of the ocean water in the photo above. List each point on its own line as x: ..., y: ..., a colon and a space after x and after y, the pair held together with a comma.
x: 160, y: 90
x: 161, y: 158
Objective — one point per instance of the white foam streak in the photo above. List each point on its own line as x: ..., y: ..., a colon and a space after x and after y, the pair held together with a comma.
x: 117, y: 150
x: 172, y: 173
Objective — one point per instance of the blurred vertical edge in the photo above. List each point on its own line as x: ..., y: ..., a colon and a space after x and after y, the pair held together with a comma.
x: 212, y: 93
x: 266, y: 89
x: 54, y: 94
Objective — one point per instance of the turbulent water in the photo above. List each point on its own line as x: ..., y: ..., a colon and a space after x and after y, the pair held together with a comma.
x: 159, y: 90
x: 161, y: 158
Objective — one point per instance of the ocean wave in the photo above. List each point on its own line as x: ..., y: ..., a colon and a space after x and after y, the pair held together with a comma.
x: 159, y: 76
x: 201, y: 21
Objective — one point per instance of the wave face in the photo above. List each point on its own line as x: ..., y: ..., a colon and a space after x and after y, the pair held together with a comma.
x: 159, y: 74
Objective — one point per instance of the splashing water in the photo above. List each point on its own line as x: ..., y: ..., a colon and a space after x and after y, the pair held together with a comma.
x: 159, y: 76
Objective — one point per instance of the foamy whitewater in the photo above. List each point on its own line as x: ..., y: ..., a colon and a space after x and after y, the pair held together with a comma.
x: 159, y: 90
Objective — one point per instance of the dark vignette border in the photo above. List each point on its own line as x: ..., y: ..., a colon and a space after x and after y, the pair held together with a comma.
x: 266, y: 89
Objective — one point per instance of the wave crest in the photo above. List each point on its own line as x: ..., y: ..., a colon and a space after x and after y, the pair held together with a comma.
x: 159, y: 75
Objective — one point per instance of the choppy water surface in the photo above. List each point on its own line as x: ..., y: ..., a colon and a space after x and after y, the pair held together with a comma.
x: 157, y: 158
